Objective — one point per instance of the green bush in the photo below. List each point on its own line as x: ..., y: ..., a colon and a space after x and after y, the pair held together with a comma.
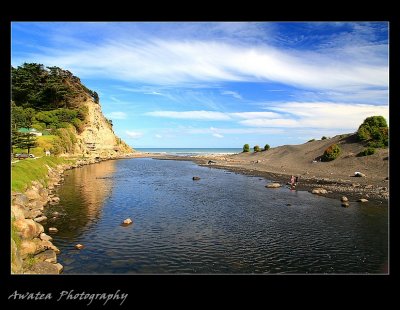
x: 266, y: 147
x: 256, y: 149
x: 311, y: 140
x: 246, y: 148
x: 324, y: 138
x: 374, y: 130
x: 331, y: 153
x: 366, y: 152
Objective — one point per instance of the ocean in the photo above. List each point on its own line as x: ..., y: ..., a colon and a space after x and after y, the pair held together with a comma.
x: 190, y: 151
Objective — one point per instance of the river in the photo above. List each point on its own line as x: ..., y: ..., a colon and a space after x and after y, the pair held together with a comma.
x: 224, y: 223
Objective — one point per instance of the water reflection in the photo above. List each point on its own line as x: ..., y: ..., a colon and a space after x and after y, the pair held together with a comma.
x: 83, y: 195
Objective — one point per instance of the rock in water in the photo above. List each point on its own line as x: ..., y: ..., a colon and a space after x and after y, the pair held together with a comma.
x: 127, y: 222
x: 344, y: 199
x: 273, y: 185
x: 362, y: 200
x: 196, y: 178
x: 79, y: 246
x: 40, y: 219
x: 53, y: 230
x: 359, y: 174
x: 345, y: 204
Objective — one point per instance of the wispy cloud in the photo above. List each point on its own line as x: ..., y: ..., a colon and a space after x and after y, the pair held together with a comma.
x: 217, y: 135
x: 231, y: 93
x: 134, y: 134
x: 117, y: 115
x: 194, y: 115
x: 170, y: 62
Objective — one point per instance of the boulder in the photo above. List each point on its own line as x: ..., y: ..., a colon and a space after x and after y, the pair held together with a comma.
x: 359, y: 174
x: 45, y: 237
x: 273, y: 185
x: 345, y: 204
x: 34, y: 214
x: 40, y: 219
x: 196, y: 178
x: 36, y: 205
x: 28, y: 228
x: 362, y: 200
x: 79, y: 246
x: 44, y: 268
x: 59, y: 267
x: 30, y: 247
x: 319, y: 191
x: 51, y: 246
x: 127, y: 222
x: 344, y: 199
x: 16, y: 261
x: 19, y: 212
x: 53, y: 230
x: 21, y: 199
x: 32, y: 194
x: 47, y: 256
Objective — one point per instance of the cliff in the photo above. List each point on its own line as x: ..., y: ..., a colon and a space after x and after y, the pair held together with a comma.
x: 98, y: 138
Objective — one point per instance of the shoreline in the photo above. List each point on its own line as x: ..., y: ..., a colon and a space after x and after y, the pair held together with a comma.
x: 336, y: 187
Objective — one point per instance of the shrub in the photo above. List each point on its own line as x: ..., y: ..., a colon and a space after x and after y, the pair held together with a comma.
x: 366, y: 152
x: 246, y: 148
x: 256, y: 149
x: 331, y: 153
x: 266, y: 147
x: 311, y: 140
x: 374, y: 130
x: 324, y: 138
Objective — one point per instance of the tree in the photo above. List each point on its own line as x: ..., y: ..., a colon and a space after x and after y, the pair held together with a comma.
x: 256, y: 149
x: 324, y: 138
x: 27, y: 141
x: 246, y: 148
x: 266, y: 147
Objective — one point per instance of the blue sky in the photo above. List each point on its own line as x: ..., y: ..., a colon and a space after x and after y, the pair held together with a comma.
x: 220, y: 84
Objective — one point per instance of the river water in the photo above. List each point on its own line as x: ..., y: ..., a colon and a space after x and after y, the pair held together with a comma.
x: 224, y: 223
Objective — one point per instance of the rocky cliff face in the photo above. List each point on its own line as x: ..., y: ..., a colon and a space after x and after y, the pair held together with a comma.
x: 98, y: 137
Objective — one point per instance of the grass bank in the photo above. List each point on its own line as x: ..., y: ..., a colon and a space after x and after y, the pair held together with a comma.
x: 25, y: 171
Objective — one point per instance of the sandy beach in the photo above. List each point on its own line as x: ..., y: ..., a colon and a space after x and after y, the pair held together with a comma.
x: 337, y: 177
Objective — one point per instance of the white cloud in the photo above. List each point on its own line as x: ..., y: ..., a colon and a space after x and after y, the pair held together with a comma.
x: 134, y: 134
x: 194, y: 115
x: 158, y: 136
x: 255, y: 115
x: 116, y: 115
x: 231, y: 93
x: 173, y: 62
x: 217, y: 135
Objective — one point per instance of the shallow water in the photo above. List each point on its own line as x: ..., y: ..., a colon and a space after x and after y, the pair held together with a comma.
x: 223, y: 223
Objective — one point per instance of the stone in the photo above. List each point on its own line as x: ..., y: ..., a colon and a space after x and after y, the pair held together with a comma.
x: 355, y: 184
x: 56, y: 214
x: 47, y: 256
x: 45, y: 237
x: 53, y: 230
x: 36, y: 205
x: 79, y: 246
x: 32, y: 194
x: 30, y: 247
x: 359, y: 174
x: 369, y: 186
x: 344, y: 199
x: 21, y: 199
x: 59, y: 267
x: 55, y: 199
x: 28, y: 228
x: 16, y: 260
x: 273, y: 185
x: 127, y: 222
x: 44, y: 268
x: 196, y: 178
x: 319, y: 191
x: 51, y: 246
x: 19, y: 212
x: 34, y: 214
x: 345, y: 204
x: 40, y: 219
x: 362, y: 200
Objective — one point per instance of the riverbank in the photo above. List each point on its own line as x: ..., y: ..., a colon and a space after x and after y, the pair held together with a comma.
x: 33, y: 189
x: 370, y: 187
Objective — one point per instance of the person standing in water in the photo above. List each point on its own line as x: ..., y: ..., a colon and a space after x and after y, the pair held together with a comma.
x: 292, y: 182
